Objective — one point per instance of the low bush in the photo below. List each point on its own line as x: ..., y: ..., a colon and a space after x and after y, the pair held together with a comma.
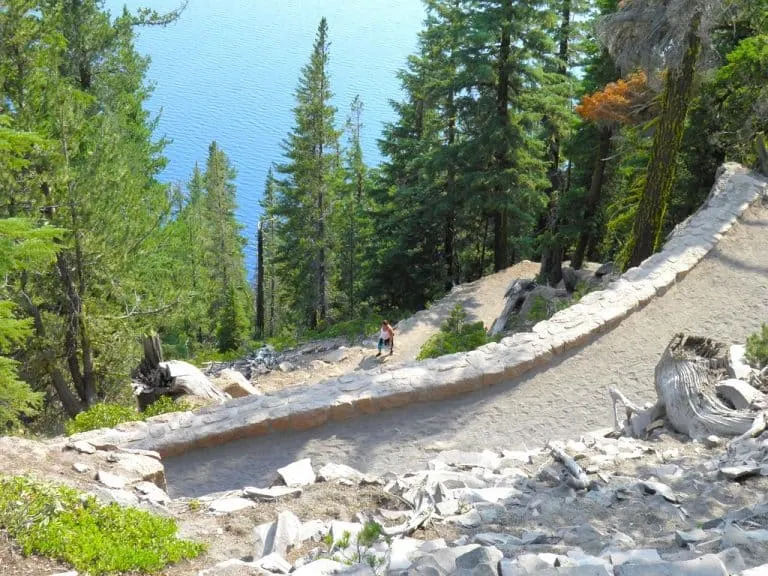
x: 101, y: 416
x: 757, y: 348
x: 163, y: 405
x: 456, y: 335
x: 105, y: 415
x: 64, y: 524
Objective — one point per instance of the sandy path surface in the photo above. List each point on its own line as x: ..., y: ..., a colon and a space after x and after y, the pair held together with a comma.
x: 483, y: 300
x: 725, y: 297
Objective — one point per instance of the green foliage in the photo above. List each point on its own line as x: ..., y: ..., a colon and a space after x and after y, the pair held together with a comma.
x: 194, y: 505
x: 61, y: 523
x: 104, y: 415
x: 101, y: 415
x: 164, y: 405
x: 23, y: 247
x: 757, y: 348
x: 370, y: 534
x: 539, y: 310
x: 456, y: 335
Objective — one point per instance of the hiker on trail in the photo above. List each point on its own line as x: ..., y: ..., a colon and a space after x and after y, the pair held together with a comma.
x: 386, y: 338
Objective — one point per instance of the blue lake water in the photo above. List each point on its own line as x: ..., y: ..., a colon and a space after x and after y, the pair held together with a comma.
x: 228, y: 69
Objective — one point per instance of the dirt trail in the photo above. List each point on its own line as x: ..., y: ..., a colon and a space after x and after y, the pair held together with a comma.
x: 483, y: 300
x: 725, y: 297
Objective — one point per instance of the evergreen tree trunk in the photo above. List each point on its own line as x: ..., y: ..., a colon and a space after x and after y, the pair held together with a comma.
x: 260, y: 280
x: 500, y: 219
x: 660, y: 174
x: 551, y: 270
x: 450, y: 220
x: 592, y: 201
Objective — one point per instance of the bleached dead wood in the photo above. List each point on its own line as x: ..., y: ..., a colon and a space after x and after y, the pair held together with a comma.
x: 685, y: 380
x: 577, y: 478
x: 154, y: 377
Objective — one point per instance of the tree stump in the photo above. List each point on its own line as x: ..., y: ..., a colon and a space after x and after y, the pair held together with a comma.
x: 155, y: 377
x: 685, y: 381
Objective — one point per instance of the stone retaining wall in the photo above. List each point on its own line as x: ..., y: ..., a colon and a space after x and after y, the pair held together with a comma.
x: 361, y: 393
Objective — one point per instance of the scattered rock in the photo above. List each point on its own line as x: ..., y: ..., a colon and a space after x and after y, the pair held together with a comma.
x: 152, y: 493
x: 489, y: 555
x: 337, y: 355
x: 570, y: 279
x: 713, y: 441
x: 691, y: 537
x: 740, y: 472
x: 233, y: 567
x: 737, y: 364
x: 658, y: 488
x: 236, y: 384
x: 271, y: 494
x: 739, y: 394
x: 321, y: 567
x: 335, y: 472
x: 707, y: 565
x: 274, y: 563
x: 605, y: 269
x: 286, y: 367
x: 81, y: 468
x: 110, y: 480
x: 299, y: 473
x: 84, y: 447
x: 643, y: 556
x: 229, y: 505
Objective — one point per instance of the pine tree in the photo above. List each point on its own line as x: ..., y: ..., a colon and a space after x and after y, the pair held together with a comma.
x: 224, y: 250
x: 311, y: 174
x: 503, y: 59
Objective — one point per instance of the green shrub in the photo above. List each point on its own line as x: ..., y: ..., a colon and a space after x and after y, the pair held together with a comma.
x: 101, y: 416
x: 456, y: 335
x: 61, y: 523
x: 539, y: 309
x: 110, y: 415
x: 163, y: 405
x: 757, y: 348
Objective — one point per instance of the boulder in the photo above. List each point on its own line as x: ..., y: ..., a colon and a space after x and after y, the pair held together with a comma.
x: 236, y: 384
x: 286, y: 367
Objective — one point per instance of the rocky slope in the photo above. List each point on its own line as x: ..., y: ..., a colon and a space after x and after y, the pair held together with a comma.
x: 659, y: 506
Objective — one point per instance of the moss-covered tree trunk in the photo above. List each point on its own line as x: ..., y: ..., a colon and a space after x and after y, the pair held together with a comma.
x: 660, y: 175
x: 592, y: 201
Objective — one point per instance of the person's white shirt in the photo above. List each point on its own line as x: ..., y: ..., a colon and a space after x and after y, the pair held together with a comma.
x: 383, y: 334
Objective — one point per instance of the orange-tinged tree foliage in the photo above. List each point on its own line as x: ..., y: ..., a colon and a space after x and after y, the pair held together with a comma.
x: 618, y: 102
